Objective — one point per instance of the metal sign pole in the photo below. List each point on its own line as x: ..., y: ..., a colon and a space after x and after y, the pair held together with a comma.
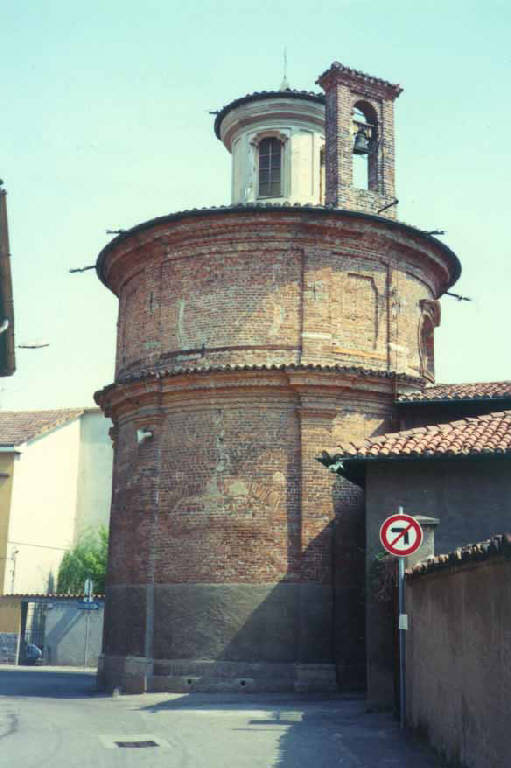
x: 402, y: 642
x: 407, y: 541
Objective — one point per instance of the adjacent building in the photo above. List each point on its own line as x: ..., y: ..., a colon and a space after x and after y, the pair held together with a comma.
x: 55, y: 484
x: 451, y: 460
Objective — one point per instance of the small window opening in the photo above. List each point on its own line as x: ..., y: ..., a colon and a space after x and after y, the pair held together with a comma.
x: 270, y: 161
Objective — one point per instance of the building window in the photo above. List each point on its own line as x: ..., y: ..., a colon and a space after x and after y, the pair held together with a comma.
x: 270, y: 164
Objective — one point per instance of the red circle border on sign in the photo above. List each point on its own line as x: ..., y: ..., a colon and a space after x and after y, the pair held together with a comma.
x: 406, y: 519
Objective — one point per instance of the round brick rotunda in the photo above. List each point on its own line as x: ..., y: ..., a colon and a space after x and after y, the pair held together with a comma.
x: 250, y: 337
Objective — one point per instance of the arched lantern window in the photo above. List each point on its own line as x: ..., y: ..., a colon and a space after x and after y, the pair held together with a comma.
x: 365, y: 130
x: 270, y: 167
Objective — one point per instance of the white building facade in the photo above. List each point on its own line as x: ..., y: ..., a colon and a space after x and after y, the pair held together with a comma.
x: 60, y: 487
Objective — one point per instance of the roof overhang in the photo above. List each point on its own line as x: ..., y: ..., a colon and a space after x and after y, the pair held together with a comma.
x: 354, y: 468
x: 500, y: 402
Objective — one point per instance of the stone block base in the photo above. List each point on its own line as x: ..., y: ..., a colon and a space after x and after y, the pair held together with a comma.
x: 140, y: 675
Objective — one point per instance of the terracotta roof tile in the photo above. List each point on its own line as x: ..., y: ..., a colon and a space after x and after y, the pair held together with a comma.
x: 16, y: 427
x: 486, y: 390
x: 361, y: 76
x: 490, y: 433
x: 499, y: 545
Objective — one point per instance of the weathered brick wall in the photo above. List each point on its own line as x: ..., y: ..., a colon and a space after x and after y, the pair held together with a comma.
x: 273, y: 287
x: 228, y: 492
x: 233, y: 480
x: 223, y: 524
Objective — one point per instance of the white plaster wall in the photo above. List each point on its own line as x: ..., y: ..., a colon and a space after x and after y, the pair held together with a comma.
x: 94, y: 473
x: 304, y: 184
x: 300, y: 168
x: 43, y: 507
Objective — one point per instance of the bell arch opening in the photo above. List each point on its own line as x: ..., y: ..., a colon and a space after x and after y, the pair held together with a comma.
x: 364, y: 155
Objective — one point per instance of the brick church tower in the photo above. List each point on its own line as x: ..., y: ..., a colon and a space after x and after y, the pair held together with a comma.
x: 249, y: 338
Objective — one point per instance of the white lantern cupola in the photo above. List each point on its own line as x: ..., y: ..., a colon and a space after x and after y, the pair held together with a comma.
x: 276, y: 139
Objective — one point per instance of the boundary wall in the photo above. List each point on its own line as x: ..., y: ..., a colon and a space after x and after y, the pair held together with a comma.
x: 459, y: 653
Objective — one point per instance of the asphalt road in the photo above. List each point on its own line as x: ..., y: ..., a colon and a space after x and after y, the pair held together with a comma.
x: 51, y: 717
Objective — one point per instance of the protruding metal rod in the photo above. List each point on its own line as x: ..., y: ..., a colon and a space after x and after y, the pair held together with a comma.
x: 389, y: 205
x: 82, y: 269
x: 458, y: 296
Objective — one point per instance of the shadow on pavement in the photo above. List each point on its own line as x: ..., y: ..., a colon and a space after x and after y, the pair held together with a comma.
x: 249, y: 701
x: 316, y: 731
x: 44, y: 682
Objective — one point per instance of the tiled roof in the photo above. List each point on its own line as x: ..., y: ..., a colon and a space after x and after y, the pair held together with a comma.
x: 499, y: 545
x: 162, y: 372
x: 16, y: 427
x: 260, y: 95
x: 488, y: 434
x: 485, y: 390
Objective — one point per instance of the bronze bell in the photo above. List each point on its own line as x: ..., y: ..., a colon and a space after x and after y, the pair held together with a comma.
x: 361, y: 143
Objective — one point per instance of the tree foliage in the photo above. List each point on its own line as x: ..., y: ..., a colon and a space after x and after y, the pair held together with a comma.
x: 86, y: 560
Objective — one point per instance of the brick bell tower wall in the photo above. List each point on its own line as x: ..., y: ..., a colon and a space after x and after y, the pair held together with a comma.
x: 249, y: 339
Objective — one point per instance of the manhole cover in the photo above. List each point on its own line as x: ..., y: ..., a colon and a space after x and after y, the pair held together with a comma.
x: 133, y: 741
x: 136, y: 744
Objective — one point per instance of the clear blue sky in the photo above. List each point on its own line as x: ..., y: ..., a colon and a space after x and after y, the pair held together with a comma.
x: 105, y: 124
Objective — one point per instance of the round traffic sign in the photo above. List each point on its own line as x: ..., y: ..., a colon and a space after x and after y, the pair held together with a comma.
x: 401, y: 535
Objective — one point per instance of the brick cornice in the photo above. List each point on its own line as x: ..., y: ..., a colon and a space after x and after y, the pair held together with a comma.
x: 360, y: 82
x: 126, y: 253
x: 154, y: 392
